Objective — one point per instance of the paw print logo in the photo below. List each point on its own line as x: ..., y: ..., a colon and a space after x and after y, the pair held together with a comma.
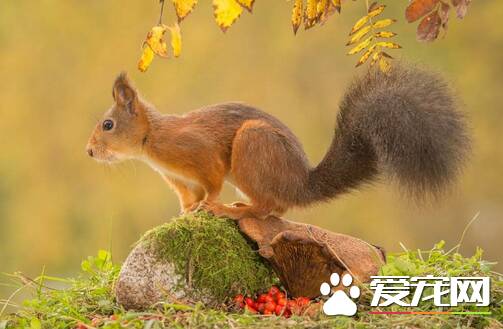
x: 339, y: 302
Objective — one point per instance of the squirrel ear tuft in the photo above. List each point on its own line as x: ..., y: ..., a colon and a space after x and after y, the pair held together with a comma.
x: 124, y: 92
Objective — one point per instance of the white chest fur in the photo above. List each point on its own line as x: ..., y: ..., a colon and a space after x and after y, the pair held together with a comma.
x: 167, y: 172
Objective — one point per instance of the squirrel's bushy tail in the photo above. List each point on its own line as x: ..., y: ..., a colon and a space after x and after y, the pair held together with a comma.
x: 404, y: 124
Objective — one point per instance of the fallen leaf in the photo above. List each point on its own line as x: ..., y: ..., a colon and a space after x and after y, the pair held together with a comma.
x: 226, y: 12
x: 429, y: 27
x: 419, y: 8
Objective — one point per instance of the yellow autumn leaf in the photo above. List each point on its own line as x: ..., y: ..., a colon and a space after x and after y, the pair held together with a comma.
x: 298, y: 9
x: 377, y: 55
x: 362, y: 21
x: 385, y: 34
x: 362, y: 45
x: 248, y: 4
x: 383, y: 23
x: 390, y: 45
x: 359, y: 24
x: 328, y: 10
x: 321, y: 6
x: 146, y: 58
x: 365, y: 56
x: 384, y: 54
x: 376, y: 11
x: 358, y: 35
x: 183, y: 7
x: 311, y: 13
x: 226, y: 12
x: 337, y: 4
x: 156, y: 42
x: 384, y: 65
x: 176, y: 40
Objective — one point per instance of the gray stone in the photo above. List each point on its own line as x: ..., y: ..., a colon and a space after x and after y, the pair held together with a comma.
x: 145, y: 280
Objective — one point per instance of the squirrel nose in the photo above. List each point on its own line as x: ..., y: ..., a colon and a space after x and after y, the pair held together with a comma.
x: 90, y: 152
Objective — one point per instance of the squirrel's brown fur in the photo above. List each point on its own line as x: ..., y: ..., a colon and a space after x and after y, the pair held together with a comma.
x: 403, y: 123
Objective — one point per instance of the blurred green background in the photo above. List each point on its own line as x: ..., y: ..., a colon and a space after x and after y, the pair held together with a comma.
x: 58, y: 60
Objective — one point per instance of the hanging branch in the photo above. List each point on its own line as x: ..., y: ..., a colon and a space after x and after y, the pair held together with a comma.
x: 434, y: 15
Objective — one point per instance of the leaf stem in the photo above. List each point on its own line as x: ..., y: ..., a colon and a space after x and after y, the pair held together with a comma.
x: 162, y: 10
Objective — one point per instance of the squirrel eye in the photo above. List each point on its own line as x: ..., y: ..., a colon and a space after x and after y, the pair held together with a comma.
x: 108, y: 125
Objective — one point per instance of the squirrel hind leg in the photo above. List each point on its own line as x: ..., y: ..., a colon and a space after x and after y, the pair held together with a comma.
x: 269, y: 166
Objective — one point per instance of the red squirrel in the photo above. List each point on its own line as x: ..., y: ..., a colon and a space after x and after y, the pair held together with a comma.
x: 404, y: 123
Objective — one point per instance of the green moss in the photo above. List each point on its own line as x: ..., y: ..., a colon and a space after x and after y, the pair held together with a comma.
x: 212, y: 254
x: 89, y: 299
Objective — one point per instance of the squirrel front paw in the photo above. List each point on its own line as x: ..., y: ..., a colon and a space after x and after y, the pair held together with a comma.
x: 194, y: 207
x: 201, y: 206
x: 218, y: 209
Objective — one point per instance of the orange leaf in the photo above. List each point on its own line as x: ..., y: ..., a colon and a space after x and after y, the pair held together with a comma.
x: 419, y: 8
x: 461, y: 7
x: 429, y: 27
x: 443, y: 11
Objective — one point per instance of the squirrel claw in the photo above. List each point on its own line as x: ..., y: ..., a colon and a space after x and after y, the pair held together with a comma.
x: 204, y: 206
x: 191, y: 209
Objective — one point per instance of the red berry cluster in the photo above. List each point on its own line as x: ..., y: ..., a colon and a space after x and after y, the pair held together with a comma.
x: 274, y: 302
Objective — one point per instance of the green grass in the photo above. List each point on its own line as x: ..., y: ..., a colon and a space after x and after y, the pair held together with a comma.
x: 88, y: 300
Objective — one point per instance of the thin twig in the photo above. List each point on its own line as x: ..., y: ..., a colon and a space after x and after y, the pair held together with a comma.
x: 162, y: 10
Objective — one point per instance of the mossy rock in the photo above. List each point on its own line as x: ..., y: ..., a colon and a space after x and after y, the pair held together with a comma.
x: 195, y: 257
